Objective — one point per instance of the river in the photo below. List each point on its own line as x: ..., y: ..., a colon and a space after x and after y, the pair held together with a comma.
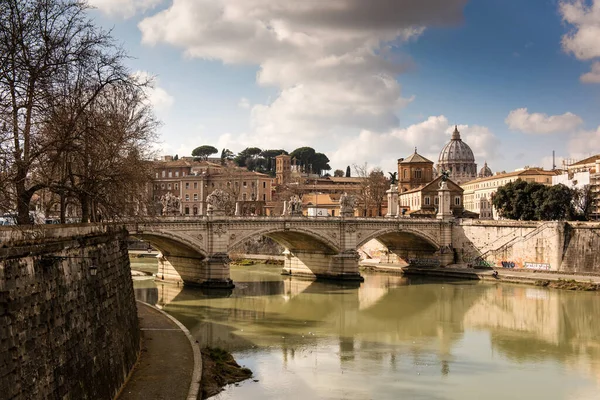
x: 394, y: 337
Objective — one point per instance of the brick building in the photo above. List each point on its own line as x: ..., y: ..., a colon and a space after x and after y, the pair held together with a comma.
x: 192, y: 181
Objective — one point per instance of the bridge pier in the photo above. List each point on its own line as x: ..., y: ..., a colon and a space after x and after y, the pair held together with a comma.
x: 211, y: 272
x: 341, y: 266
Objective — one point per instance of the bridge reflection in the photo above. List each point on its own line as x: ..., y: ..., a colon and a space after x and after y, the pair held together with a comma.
x: 391, y: 317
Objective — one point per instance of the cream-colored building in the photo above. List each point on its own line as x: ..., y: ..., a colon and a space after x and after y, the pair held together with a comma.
x: 192, y: 181
x: 478, y: 193
x: 581, y: 173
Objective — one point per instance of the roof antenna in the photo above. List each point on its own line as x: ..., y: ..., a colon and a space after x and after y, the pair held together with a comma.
x: 553, y: 161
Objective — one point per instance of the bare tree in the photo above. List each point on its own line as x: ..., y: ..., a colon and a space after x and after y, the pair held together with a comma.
x: 372, y: 188
x: 45, y: 47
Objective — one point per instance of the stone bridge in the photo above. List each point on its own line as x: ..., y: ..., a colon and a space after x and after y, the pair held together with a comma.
x: 195, y: 249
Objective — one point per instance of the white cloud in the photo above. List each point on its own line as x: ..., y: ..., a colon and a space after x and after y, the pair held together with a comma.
x: 332, y: 61
x: 584, y: 144
x: 521, y: 120
x: 160, y: 99
x: 124, y: 8
x: 594, y: 75
x: 583, y: 41
x: 429, y: 136
x: 244, y: 103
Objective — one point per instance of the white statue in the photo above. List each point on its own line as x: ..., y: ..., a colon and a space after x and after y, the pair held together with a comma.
x: 347, y: 204
x: 170, y: 203
x: 295, y: 205
x: 218, y: 200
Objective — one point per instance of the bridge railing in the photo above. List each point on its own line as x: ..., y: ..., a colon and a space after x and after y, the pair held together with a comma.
x: 205, y: 218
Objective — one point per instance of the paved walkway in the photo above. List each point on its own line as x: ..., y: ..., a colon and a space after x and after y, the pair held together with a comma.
x: 168, y: 367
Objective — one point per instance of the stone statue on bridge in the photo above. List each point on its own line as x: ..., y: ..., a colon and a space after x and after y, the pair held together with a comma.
x: 218, y: 202
x: 295, y: 205
x: 170, y: 204
x: 347, y: 204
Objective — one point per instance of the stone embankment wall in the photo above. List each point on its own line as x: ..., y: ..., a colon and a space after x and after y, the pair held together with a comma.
x: 544, y: 245
x: 64, y: 333
x: 581, y: 249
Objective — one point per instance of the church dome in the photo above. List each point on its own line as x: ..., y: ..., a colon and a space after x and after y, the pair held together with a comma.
x: 456, y: 150
x: 485, y: 171
x: 457, y: 158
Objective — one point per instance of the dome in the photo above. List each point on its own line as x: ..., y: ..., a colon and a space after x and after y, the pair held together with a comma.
x: 456, y: 150
x: 457, y: 158
x: 485, y: 171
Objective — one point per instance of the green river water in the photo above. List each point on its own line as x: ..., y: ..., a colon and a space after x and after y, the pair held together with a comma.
x: 393, y: 337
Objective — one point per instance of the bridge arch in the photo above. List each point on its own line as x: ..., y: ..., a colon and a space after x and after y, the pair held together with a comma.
x: 388, y: 234
x: 293, y: 238
x: 406, y: 245
x: 172, y: 244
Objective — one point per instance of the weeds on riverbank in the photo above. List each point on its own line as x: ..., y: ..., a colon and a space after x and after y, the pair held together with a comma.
x: 218, y: 370
x: 568, y: 284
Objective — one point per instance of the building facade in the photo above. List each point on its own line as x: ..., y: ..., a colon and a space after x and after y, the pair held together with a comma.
x: 583, y: 173
x: 423, y: 201
x: 414, y: 171
x: 478, y: 193
x: 192, y: 181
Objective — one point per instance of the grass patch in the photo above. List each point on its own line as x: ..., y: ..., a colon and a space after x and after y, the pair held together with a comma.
x: 220, y: 369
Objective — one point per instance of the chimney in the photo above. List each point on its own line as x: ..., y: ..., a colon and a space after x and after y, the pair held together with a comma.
x: 168, y: 158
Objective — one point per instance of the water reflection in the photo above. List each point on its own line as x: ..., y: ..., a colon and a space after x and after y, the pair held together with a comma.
x: 419, y: 338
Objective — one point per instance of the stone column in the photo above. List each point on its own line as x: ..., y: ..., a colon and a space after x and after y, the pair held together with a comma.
x: 445, y: 215
x: 444, y: 210
x: 392, y: 196
x: 237, y: 209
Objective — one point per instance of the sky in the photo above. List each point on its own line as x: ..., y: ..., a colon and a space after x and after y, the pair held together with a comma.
x: 368, y: 81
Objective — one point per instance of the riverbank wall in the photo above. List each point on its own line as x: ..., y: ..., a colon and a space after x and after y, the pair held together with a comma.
x: 528, y: 245
x: 68, y: 319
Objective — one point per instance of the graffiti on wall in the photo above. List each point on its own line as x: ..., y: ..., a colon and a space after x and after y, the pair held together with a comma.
x: 508, y: 264
x: 426, y: 262
x: 533, y: 265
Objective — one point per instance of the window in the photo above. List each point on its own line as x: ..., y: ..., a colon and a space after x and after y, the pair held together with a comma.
x: 162, y: 185
x: 187, y: 197
x: 177, y: 186
x: 156, y: 175
x: 195, y: 210
x: 264, y: 197
x: 187, y: 185
x: 187, y: 211
x: 418, y: 173
x: 177, y: 174
x: 457, y: 201
x: 264, y: 185
x: 427, y: 200
x: 244, y: 183
x: 164, y: 173
x: 244, y: 197
x: 169, y: 186
x: 436, y: 200
x: 406, y: 173
x: 195, y: 196
x: 170, y: 174
x: 195, y: 185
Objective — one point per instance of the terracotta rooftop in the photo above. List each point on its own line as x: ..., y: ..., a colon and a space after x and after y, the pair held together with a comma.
x: 415, y: 158
x: 589, y: 160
